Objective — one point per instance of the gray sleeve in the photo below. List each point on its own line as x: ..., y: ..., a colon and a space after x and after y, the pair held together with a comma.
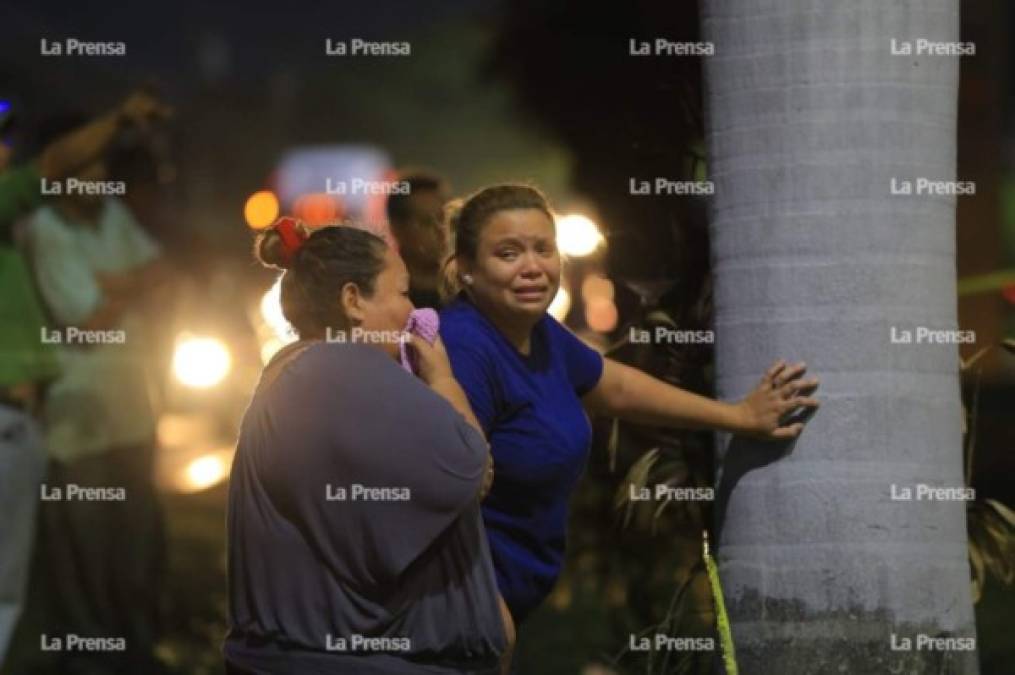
x: 383, y: 465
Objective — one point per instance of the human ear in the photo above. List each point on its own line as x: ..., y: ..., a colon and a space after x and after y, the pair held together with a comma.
x: 352, y: 303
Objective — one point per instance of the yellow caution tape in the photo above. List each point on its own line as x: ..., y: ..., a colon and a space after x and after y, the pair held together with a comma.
x: 729, y: 656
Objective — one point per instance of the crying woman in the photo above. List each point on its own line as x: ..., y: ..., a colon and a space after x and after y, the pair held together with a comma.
x: 355, y: 537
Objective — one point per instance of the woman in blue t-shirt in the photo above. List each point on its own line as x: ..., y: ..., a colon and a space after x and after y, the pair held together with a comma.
x: 529, y: 381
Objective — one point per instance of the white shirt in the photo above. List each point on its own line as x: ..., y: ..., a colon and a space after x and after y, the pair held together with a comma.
x: 102, y: 400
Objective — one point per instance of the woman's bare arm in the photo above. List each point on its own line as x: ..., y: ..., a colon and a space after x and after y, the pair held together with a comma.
x: 633, y: 395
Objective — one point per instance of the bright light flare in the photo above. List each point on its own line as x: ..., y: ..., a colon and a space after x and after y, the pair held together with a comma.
x: 577, y: 235
x: 261, y: 209
x: 561, y: 304
x: 204, y: 472
x: 201, y: 362
x: 271, y: 313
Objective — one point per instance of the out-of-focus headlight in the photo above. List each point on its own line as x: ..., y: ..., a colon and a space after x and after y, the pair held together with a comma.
x: 201, y: 362
x: 577, y: 235
x: 204, y: 472
x: 561, y: 304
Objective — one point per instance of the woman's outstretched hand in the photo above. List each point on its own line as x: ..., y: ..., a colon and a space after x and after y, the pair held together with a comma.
x: 782, y: 390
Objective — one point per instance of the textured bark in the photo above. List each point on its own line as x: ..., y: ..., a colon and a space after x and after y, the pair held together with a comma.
x: 810, y: 117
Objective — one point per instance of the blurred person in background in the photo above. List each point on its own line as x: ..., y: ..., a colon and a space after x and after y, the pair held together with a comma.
x: 417, y: 223
x: 27, y: 363
x: 143, y: 163
x: 97, y: 270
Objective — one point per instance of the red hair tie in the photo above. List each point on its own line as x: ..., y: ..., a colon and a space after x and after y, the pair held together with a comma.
x: 292, y: 233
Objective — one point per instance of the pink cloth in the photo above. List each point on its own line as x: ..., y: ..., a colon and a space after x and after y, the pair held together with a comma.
x: 424, y: 323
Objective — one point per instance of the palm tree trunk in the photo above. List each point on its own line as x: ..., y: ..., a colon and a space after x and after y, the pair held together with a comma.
x: 810, y: 117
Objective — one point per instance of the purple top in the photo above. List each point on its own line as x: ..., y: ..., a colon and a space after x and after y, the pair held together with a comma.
x: 355, y: 537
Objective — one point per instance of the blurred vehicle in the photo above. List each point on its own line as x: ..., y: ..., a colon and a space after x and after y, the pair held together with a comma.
x: 208, y: 366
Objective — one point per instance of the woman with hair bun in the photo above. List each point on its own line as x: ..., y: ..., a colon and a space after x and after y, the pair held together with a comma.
x: 529, y: 381
x: 356, y: 543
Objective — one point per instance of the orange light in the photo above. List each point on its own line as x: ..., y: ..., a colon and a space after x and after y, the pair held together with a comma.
x: 317, y: 208
x: 601, y: 314
x: 596, y: 286
x: 261, y: 209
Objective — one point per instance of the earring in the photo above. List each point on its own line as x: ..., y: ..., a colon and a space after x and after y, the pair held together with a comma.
x: 467, y: 278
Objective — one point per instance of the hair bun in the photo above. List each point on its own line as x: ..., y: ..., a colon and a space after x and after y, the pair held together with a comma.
x: 270, y: 252
x: 279, y: 244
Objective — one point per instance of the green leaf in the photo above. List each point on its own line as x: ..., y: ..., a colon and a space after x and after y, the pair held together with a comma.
x: 1007, y: 514
x: 659, y: 316
x: 966, y: 365
x: 976, y: 564
x: 637, y: 477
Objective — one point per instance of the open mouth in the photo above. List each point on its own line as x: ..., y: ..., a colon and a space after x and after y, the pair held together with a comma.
x: 530, y: 293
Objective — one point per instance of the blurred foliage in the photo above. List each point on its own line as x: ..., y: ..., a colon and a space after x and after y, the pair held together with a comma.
x: 990, y: 523
x: 991, y: 543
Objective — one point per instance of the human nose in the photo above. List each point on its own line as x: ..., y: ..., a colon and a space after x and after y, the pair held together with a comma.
x: 530, y: 265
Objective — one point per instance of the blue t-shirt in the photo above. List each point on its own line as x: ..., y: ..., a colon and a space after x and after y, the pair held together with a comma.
x: 530, y: 408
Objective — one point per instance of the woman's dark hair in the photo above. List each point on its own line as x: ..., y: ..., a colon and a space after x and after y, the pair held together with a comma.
x: 467, y: 217
x: 330, y: 258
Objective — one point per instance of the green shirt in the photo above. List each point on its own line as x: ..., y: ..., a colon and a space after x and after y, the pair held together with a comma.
x: 23, y: 355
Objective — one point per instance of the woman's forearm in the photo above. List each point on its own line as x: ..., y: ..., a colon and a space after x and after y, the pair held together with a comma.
x: 630, y: 394
x: 635, y: 396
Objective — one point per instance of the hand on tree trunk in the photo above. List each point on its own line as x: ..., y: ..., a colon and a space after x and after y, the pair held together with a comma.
x: 781, y: 392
